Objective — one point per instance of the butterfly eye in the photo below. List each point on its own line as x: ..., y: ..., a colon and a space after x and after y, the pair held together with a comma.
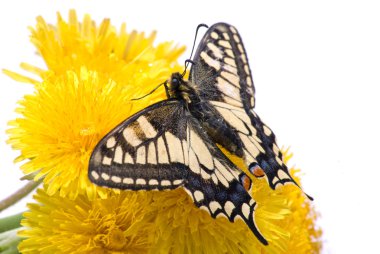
x: 174, y: 82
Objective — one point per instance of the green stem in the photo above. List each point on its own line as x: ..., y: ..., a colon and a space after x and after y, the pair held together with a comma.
x: 9, y: 242
x: 11, y: 250
x: 19, y: 194
x: 10, y: 222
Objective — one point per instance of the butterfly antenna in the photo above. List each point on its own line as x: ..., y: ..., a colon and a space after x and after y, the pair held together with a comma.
x: 184, y: 72
x: 192, y: 49
x: 195, y: 37
x: 164, y: 83
x: 187, y: 61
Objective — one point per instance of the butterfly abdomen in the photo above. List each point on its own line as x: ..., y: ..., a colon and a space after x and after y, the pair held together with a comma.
x: 216, y: 127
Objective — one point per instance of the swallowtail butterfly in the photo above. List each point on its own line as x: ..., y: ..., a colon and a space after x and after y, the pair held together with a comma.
x: 172, y: 143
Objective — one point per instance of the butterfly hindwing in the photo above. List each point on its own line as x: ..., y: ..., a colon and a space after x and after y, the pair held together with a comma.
x: 223, y: 77
x: 214, y: 182
x: 261, y: 153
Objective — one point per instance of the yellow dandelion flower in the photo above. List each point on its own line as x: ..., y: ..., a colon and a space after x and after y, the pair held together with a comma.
x: 70, y: 45
x: 167, y: 222
x: 93, y: 74
x: 117, y: 224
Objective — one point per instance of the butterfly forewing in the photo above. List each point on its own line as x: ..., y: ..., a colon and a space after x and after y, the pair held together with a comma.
x: 146, y: 151
x: 223, y: 77
x: 221, y: 68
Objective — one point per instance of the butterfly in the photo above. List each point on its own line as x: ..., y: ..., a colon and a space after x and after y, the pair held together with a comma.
x: 173, y: 143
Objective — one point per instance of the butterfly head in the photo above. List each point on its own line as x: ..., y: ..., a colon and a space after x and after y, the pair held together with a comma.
x: 180, y: 89
x: 175, y: 82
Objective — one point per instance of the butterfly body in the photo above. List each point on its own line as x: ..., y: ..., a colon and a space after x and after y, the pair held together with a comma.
x: 207, y: 116
x: 182, y: 90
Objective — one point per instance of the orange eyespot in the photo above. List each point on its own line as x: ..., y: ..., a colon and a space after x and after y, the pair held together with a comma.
x: 246, y: 182
x: 258, y: 172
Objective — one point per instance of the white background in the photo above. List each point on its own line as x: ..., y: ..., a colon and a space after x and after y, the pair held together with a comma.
x: 316, y: 67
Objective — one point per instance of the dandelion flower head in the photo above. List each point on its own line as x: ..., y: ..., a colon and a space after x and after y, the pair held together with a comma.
x: 93, y: 74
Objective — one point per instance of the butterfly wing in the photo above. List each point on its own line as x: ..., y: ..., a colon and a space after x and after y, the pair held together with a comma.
x: 162, y: 147
x: 223, y: 77
x: 221, y: 68
x: 261, y: 153
x: 136, y: 155
x: 214, y: 181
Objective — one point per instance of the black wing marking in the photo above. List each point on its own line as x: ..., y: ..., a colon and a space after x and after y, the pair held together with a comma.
x: 222, y: 74
x: 145, y: 152
x: 163, y: 147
